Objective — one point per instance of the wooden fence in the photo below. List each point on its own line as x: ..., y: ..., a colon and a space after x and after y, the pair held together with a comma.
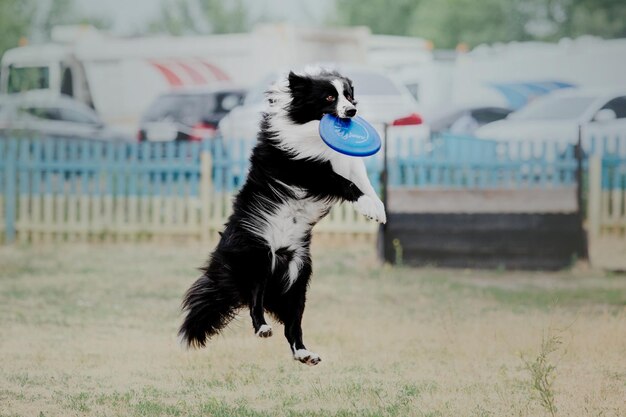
x: 463, y: 201
x: 607, y: 212
x: 70, y: 190
x: 467, y: 202
x: 460, y: 162
x: 607, y: 195
x: 53, y: 190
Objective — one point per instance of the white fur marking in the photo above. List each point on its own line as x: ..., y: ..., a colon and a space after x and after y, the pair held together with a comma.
x: 264, y: 331
x: 354, y: 170
x: 274, y: 224
x: 307, y: 357
x: 301, y: 140
x: 371, y: 208
x: 343, y: 105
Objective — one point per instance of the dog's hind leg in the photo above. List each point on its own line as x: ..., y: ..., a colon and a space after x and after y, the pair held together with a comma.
x: 290, y: 310
x: 261, y: 328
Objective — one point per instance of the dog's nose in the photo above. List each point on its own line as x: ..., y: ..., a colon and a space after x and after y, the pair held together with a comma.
x: 350, y: 112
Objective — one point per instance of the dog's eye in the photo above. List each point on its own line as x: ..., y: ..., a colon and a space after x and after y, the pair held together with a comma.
x: 349, y: 97
x: 330, y: 98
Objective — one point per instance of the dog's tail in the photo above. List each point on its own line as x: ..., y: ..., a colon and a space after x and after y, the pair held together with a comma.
x: 210, y: 304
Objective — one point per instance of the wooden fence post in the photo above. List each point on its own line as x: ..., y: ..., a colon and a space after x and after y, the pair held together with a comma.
x: 206, y: 192
x: 594, y: 203
x: 10, y: 178
x: 583, y: 250
x: 384, y: 185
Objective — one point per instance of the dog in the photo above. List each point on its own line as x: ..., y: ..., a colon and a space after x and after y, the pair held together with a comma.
x: 263, y: 258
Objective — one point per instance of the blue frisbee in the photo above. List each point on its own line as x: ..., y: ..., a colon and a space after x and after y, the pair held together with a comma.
x: 354, y: 137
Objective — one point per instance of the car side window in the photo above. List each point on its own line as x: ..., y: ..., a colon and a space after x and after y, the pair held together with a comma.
x: 45, y: 113
x: 618, y: 105
x: 74, y: 116
x: 488, y: 115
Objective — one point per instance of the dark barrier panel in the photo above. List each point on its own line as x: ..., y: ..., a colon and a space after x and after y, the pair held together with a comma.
x: 483, y: 240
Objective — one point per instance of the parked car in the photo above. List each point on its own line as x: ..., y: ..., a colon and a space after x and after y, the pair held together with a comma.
x: 41, y: 113
x: 465, y: 120
x: 188, y: 114
x: 559, y: 116
x: 380, y: 100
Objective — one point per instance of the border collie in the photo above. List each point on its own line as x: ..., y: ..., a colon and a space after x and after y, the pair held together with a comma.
x: 263, y: 258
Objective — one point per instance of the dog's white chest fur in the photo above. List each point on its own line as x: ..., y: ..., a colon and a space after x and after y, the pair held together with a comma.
x: 291, y: 221
x: 286, y: 225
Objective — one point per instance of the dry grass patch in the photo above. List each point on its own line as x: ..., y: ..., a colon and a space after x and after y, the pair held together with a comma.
x: 90, y: 331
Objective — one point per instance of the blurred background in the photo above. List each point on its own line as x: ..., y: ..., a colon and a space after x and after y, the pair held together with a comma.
x: 493, y: 109
x: 495, y: 288
x: 449, y: 56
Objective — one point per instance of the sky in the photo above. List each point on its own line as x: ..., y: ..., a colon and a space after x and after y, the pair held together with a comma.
x: 129, y: 17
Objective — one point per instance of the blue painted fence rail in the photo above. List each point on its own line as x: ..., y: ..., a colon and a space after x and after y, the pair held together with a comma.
x: 78, y: 168
x: 465, y: 162
x: 613, y: 173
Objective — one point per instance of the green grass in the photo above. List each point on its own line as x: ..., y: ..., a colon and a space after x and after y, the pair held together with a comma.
x: 526, y: 289
x: 542, y: 370
x: 90, y: 331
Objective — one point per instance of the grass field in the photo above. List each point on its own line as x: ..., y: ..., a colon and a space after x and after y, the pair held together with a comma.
x: 91, y: 331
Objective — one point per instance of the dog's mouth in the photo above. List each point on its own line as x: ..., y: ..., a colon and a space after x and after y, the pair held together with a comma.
x: 344, y: 115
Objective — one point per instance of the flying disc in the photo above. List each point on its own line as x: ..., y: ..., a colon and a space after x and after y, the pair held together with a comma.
x: 354, y: 137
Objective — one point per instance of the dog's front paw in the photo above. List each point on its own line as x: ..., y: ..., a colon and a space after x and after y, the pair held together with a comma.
x: 264, y: 331
x: 372, y: 208
x: 307, y: 357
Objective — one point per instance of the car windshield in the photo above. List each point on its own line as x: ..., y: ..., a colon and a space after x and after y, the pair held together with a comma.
x: 184, y: 108
x: 60, y: 111
x: 559, y: 108
x: 190, y: 109
x: 27, y: 78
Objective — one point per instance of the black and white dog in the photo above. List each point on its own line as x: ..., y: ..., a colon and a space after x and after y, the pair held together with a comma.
x: 263, y: 259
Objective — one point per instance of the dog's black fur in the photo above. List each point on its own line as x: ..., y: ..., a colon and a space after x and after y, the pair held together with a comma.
x: 244, y: 270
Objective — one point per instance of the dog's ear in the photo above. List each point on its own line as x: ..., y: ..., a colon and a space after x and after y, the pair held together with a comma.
x: 298, y: 82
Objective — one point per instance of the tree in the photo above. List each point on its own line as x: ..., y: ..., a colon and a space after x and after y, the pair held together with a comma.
x: 175, y: 19
x: 179, y: 17
x: 226, y: 17
x: 381, y: 16
x: 450, y: 22
x: 572, y: 18
x: 15, y: 18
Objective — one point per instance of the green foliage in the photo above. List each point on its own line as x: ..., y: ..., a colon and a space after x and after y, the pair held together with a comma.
x: 542, y: 371
x: 379, y: 15
x: 174, y: 19
x: 606, y: 19
x: 450, y: 22
x: 177, y: 17
x: 14, y: 22
x: 63, y: 12
x: 225, y: 17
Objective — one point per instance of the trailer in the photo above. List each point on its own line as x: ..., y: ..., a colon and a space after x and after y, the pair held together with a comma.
x: 119, y: 77
x: 514, y: 73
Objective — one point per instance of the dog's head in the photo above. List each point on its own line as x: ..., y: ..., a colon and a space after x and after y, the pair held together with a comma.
x: 312, y: 96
